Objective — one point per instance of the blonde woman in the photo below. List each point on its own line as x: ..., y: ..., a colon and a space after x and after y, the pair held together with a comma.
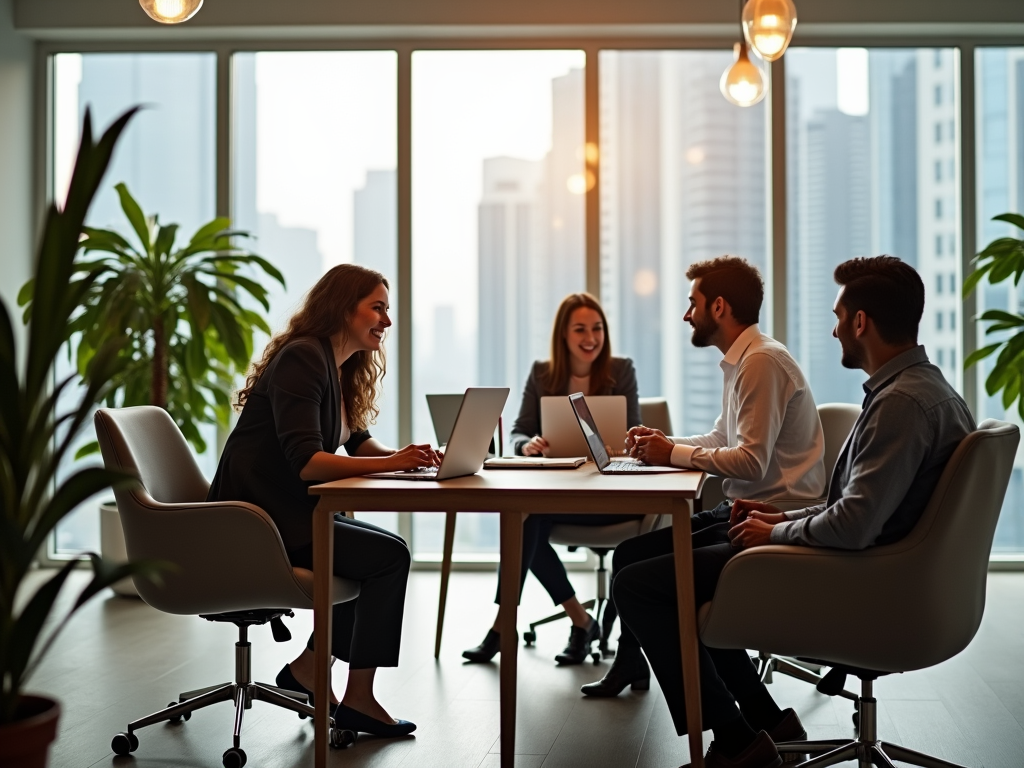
x: 581, y: 361
x: 314, y: 390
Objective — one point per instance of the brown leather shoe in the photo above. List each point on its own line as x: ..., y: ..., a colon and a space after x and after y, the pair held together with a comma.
x: 760, y: 754
x: 789, y: 729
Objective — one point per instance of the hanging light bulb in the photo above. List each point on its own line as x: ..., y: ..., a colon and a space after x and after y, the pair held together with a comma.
x: 171, y: 11
x: 743, y: 83
x: 768, y: 26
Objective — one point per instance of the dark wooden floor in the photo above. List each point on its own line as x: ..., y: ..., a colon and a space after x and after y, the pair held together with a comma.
x: 120, y: 659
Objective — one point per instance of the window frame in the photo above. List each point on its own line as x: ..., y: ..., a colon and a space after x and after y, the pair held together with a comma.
x: 494, y: 38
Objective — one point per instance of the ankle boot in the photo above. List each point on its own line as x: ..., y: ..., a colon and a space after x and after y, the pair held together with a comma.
x: 486, y: 650
x: 580, y: 640
x: 629, y: 668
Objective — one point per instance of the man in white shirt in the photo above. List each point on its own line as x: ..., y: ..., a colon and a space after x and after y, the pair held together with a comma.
x: 767, y: 443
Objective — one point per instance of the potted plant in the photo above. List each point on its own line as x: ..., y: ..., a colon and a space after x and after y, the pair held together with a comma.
x: 1002, y: 258
x: 182, y: 313
x: 34, y: 438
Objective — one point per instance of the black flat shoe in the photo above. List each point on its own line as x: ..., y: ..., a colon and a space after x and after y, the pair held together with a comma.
x: 580, y: 641
x: 629, y: 669
x: 348, y: 719
x: 486, y: 650
x: 285, y: 679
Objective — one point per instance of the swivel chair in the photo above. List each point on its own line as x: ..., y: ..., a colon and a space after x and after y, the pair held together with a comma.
x: 226, y: 562
x: 602, y: 539
x: 882, y: 610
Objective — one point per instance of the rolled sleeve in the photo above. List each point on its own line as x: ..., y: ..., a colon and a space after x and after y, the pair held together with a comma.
x: 296, y: 392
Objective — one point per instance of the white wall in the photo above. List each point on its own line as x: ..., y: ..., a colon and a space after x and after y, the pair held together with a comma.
x: 16, y: 216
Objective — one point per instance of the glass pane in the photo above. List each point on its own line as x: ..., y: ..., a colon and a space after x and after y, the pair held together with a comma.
x: 498, y: 234
x: 683, y: 178
x: 314, y: 155
x: 166, y: 157
x: 872, y: 167
x: 999, y: 96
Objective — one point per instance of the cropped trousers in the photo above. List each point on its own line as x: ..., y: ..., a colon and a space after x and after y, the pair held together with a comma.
x: 365, y: 632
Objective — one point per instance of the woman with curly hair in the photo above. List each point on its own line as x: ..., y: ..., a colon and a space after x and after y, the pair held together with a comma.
x: 315, y: 389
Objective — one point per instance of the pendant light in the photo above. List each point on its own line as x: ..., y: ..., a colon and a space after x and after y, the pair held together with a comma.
x: 171, y: 11
x: 743, y: 83
x: 768, y: 26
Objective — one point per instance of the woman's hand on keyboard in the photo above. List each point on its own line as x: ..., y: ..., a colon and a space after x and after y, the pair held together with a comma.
x: 412, y: 457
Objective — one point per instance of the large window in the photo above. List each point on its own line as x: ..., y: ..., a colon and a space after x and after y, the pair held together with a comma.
x: 872, y: 167
x: 683, y: 179
x: 314, y: 151
x: 999, y: 99
x: 166, y: 157
x: 498, y: 236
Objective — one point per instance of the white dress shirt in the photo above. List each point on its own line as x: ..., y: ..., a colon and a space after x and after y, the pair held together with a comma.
x: 767, y: 442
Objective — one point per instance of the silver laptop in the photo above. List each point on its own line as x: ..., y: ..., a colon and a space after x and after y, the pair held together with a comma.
x: 444, y: 410
x: 559, y: 427
x: 470, y: 437
x: 596, y: 445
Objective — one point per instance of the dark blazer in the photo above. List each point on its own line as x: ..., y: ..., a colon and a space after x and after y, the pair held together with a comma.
x: 293, y: 412
x: 528, y: 423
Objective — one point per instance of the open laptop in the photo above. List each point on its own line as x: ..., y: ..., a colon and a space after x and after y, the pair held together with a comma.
x: 470, y: 436
x: 596, y: 445
x: 444, y: 410
x: 559, y: 427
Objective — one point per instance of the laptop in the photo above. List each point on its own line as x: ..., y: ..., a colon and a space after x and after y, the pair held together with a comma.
x: 595, y: 445
x: 444, y: 410
x: 470, y: 436
x: 559, y: 427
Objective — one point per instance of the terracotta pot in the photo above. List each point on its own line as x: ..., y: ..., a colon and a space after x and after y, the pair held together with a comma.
x: 25, y: 743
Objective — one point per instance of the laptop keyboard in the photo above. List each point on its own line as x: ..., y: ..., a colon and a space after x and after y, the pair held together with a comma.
x: 626, y: 466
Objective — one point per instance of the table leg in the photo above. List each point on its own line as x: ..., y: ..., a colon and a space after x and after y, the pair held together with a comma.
x: 511, y: 563
x: 688, y: 628
x: 446, y: 571
x: 323, y: 570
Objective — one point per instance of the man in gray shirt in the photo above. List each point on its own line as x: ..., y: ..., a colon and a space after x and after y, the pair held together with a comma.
x: 911, y: 423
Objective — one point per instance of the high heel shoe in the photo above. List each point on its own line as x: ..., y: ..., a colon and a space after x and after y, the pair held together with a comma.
x: 285, y: 679
x: 580, y: 640
x: 486, y: 650
x: 348, y: 719
x: 629, y: 668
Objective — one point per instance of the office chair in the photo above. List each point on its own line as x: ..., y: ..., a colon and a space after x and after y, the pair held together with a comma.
x: 227, y: 563
x: 602, y: 539
x: 882, y: 610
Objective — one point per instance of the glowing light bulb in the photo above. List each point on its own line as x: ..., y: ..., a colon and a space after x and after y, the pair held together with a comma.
x: 581, y: 183
x: 171, y: 11
x: 768, y: 26
x: 743, y: 83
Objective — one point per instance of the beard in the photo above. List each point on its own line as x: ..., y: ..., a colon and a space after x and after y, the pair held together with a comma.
x: 853, y: 356
x: 703, y: 331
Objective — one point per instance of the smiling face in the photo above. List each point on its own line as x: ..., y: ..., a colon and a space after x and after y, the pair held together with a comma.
x: 367, y: 324
x: 584, y: 336
x: 700, y: 319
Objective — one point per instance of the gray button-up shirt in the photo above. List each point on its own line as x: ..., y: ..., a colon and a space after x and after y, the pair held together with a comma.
x: 891, y: 462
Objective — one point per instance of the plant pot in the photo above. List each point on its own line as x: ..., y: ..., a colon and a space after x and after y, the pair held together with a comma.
x: 25, y: 743
x: 112, y: 546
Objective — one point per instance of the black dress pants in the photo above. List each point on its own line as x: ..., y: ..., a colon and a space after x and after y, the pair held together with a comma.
x: 540, y: 557
x: 366, y: 632
x: 645, y: 595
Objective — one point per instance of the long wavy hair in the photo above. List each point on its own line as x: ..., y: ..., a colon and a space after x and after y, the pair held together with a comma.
x: 558, y: 367
x: 326, y: 310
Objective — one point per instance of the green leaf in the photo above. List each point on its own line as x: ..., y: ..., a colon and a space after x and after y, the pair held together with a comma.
x: 1012, y: 218
x: 980, y: 354
x: 135, y: 217
x: 210, y: 229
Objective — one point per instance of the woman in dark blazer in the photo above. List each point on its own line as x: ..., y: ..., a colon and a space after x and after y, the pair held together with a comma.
x: 315, y: 389
x: 581, y: 361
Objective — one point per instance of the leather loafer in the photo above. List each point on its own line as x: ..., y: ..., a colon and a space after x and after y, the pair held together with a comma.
x: 760, y: 754
x: 350, y: 719
x: 580, y: 640
x: 629, y: 669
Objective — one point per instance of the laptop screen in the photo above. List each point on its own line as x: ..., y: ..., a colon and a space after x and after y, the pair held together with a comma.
x: 589, y: 427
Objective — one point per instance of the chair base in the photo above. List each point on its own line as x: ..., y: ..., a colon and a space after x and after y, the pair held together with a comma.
x: 243, y: 692
x: 866, y: 749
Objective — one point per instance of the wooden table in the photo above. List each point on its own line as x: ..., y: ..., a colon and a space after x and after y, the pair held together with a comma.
x: 512, y: 494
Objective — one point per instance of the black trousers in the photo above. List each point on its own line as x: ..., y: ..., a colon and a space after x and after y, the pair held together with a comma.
x: 366, y: 632
x: 645, y: 595
x: 540, y: 557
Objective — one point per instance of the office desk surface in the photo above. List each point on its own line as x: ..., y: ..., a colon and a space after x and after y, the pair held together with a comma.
x: 512, y: 493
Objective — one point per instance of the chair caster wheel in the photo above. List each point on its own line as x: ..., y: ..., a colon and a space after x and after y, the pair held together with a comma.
x: 302, y: 715
x: 124, y: 743
x: 234, y: 758
x: 342, y: 738
x: 596, y: 656
x: 529, y: 638
x: 178, y: 718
